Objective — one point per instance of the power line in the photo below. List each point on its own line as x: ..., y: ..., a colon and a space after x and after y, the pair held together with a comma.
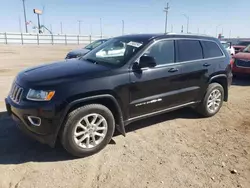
x: 166, y: 20
x: 25, y: 19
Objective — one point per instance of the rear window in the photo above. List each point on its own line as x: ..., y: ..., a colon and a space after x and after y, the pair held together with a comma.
x: 211, y: 49
x: 188, y: 50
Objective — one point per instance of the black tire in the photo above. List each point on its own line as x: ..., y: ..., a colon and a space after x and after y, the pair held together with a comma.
x: 67, y: 135
x: 203, y: 107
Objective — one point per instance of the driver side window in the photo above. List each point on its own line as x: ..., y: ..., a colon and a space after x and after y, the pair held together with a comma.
x: 162, y: 51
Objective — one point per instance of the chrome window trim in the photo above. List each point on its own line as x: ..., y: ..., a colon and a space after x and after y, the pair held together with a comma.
x: 181, y: 62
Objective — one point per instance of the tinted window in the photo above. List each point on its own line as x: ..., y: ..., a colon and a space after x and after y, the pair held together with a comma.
x: 244, y: 43
x: 162, y: 51
x: 188, y: 50
x: 211, y: 49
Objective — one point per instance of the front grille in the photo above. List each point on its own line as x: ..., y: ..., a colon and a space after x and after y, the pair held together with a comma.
x: 16, y: 93
x: 243, y: 63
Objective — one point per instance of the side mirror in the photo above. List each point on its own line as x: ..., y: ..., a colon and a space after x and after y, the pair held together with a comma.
x: 147, y: 61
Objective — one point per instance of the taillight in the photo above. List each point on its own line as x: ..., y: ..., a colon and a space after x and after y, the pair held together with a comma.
x: 232, y: 62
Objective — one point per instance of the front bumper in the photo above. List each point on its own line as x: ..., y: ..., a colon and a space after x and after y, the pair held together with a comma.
x: 46, y: 132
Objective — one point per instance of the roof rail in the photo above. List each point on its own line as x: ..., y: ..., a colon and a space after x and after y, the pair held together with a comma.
x: 191, y: 34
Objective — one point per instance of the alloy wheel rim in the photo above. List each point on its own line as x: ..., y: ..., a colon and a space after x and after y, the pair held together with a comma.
x: 214, y: 101
x: 90, y: 131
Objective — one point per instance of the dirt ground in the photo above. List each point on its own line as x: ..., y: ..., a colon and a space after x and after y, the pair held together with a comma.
x: 177, y: 149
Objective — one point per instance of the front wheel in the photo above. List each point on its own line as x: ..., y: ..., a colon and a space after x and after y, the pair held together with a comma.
x: 212, y: 101
x: 88, y: 129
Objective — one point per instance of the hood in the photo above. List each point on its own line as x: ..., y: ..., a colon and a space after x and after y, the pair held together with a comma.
x: 59, y: 71
x: 81, y: 51
x: 242, y: 55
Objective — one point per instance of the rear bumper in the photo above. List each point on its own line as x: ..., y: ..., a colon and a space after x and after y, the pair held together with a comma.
x: 46, y: 132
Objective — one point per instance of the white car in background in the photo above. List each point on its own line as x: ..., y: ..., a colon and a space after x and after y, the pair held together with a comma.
x: 228, y: 46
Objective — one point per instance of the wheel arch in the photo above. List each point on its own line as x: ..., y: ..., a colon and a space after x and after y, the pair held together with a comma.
x: 105, y: 99
x: 222, y: 80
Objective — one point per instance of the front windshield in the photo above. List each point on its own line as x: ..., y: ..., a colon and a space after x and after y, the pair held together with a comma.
x: 115, y: 52
x: 94, y: 44
x: 247, y: 49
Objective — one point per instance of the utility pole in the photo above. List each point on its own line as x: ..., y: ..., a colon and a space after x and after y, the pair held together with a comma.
x: 90, y: 28
x: 61, y: 28
x: 51, y: 28
x: 187, y: 17
x: 182, y: 29
x: 80, y: 21
x: 43, y: 18
x: 20, y: 27
x: 25, y: 19
x: 38, y: 12
x: 122, y: 27
x: 217, y: 29
x: 166, y: 20
x: 101, y: 26
x: 39, y: 25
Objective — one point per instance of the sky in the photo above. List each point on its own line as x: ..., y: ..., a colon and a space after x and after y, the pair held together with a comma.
x: 140, y: 16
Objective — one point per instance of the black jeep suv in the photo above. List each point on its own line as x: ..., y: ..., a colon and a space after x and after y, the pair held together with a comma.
x: 82, y: 101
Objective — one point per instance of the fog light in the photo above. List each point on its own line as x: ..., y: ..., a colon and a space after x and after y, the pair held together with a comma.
x: 36, y: 121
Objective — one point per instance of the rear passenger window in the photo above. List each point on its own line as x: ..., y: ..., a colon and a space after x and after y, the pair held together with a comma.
x: 188, y: 50
x: 211, y: 49
x: 162, y: 51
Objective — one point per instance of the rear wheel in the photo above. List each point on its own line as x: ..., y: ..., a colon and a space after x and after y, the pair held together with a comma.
x: 212, y: 101
x: 87, y: 130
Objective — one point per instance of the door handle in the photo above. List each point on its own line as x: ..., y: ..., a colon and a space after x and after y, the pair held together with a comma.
x: 173, y: 70
x: 206, y: 64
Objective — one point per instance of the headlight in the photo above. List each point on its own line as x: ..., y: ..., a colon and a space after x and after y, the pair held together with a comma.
x: 40, y: 95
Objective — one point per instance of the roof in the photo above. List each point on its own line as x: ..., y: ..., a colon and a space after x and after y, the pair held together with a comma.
x: 168, y: 35
x: 141, y: 36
